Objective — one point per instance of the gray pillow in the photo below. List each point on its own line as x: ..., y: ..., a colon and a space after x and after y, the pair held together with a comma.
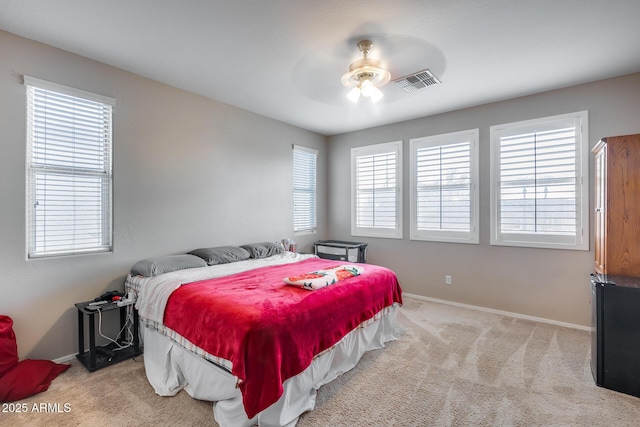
x: 166, y: 264
x: 264, y: 249
x: 221, y: 254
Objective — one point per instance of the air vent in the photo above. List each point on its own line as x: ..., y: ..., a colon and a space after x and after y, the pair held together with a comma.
x: 416, y: 81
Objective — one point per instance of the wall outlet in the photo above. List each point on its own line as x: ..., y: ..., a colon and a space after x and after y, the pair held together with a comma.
x: 447, y: 280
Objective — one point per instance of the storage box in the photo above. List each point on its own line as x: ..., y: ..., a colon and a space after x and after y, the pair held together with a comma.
x: 341, y: 250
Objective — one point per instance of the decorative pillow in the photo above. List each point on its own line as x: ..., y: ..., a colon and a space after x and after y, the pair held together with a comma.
x: 166, y: 264
x: 8, y: 346
x: 323, y: 278
x: 27, y: 378
x: 264, y: 249
x: 221, y: 254
x: 19, y: 380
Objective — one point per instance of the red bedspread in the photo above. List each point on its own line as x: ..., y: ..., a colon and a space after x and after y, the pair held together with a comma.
x: 271, y: 331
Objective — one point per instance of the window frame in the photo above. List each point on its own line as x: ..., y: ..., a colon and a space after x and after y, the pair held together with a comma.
x: 313, y: 209
x: 34, y: 168
x: 472, y: 236
x: 580, y: 239
x: 371, y: 150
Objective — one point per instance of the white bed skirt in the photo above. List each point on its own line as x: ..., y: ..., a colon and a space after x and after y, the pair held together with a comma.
x: 171, y: 368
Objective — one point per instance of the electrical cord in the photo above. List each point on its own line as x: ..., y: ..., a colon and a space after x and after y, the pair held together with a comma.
x: 128, y: 339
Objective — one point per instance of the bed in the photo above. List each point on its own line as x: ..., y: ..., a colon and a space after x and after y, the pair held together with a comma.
x: 257, y: 330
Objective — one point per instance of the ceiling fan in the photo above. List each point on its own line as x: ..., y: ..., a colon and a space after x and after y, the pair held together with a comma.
x: 365, y: 76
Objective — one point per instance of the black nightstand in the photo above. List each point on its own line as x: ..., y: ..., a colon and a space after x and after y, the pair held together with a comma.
x: 99, y: 357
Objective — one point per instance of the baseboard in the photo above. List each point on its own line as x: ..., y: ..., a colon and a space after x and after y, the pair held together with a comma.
x: 500, y: 312
x: 65, y: 359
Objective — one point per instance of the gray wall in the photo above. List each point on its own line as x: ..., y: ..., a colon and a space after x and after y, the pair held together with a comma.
x: 188, y: 172
x: 546, y: 283
x: 193, y: 172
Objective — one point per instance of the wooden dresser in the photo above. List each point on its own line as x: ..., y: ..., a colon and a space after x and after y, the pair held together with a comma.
x: 617, y: 205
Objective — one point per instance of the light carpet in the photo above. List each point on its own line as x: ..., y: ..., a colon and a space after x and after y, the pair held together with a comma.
x: 450, y: 366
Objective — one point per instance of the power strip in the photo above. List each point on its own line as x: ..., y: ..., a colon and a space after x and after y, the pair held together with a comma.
x: 124, y: 302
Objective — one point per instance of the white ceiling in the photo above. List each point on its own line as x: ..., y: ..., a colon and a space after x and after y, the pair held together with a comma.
x: 284, y: 58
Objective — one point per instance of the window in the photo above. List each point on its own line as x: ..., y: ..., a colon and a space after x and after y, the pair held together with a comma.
x: 69, y: 170
x: 304, y: 189
x: 444, y: 190
x: 539, y: 183
x: 376, y: 190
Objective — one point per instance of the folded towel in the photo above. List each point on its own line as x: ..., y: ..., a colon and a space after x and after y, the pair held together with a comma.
x: 322, y: 278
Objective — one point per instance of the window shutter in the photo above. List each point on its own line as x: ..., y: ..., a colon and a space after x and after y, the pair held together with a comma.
x: 304, y: 189
x: 377, y: 190
x: 443, y: 188
x: 69, y: 167
x: 538, y: 182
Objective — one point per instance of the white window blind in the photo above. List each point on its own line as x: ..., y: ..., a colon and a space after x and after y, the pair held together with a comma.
x: 444, y: 174
x: 377, y: 191
x: 538, y: 180
x: 69, y: 170
x: 304, y: 189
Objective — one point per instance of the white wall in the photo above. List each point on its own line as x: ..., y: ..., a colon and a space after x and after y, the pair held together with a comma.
x: 189, y: 172
x: 551, y: 284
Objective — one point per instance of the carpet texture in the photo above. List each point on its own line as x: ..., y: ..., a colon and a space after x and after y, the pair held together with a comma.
x: 449, y: 367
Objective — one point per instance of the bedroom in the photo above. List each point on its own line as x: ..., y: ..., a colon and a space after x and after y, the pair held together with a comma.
x: 190, y: 171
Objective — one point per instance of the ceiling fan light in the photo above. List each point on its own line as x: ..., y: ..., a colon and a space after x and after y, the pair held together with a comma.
x: 368, y: 88
x: 365, y: 75
x: 376, y: 95
x: 354, y: 94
